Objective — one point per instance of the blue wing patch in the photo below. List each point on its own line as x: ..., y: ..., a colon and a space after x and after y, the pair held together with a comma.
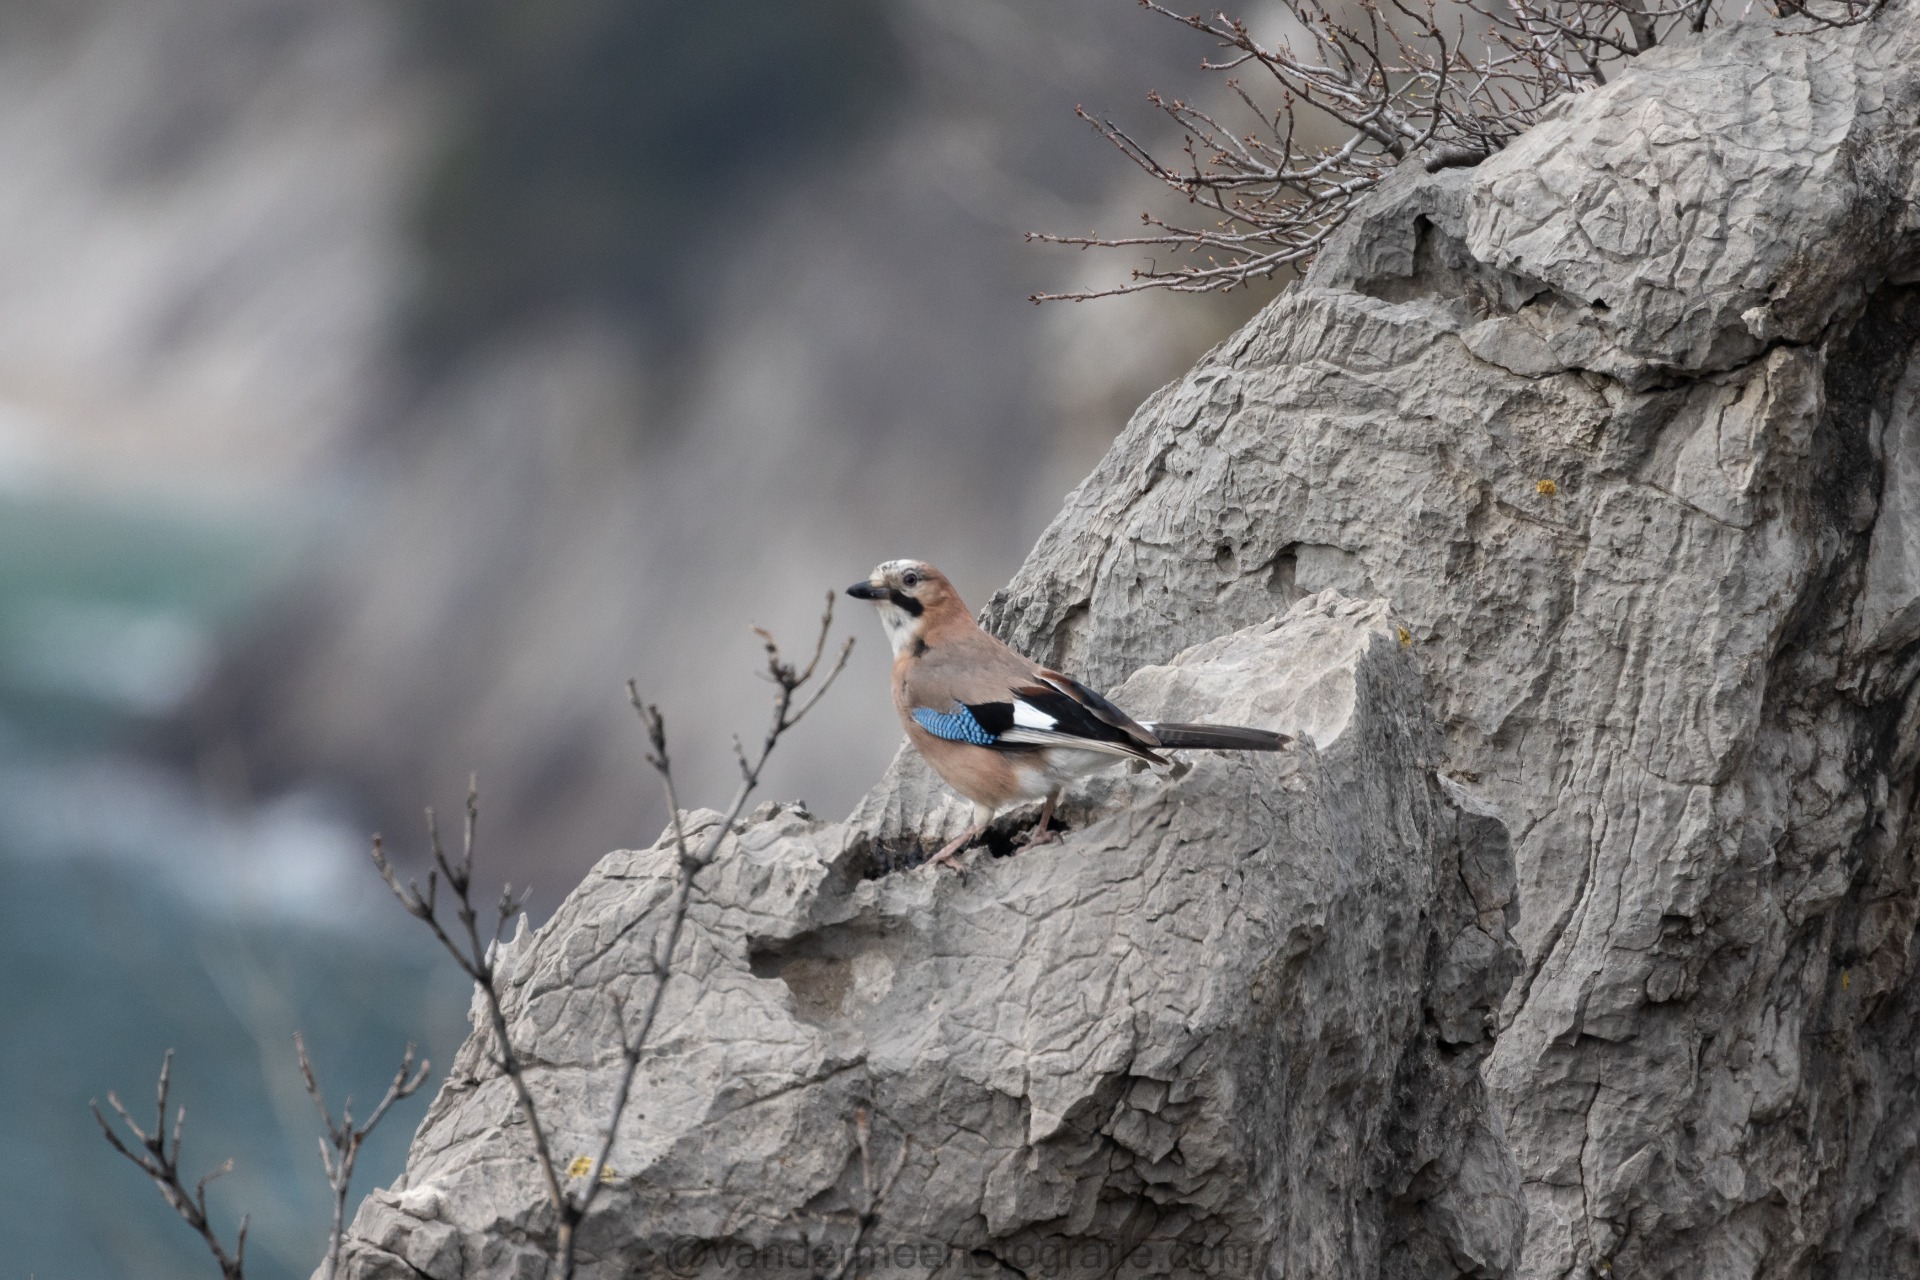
x: 957, y: 725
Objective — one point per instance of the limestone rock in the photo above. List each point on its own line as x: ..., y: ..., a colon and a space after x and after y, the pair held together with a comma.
x: 1622, y: 424
x: 1230, y: 1022
x: 1622, y: 421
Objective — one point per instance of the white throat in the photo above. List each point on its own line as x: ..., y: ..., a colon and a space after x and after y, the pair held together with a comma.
x: 902, y: 629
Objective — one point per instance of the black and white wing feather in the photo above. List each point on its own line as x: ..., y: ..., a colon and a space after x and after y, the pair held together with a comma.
x: 1059, y: 711
x: 1062, y: 712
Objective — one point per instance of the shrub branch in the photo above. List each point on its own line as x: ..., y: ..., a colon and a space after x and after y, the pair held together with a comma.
x: 572, y: 1191
x: 340, y: 1140
x: 1395, y: 79
x: 159, y: 1159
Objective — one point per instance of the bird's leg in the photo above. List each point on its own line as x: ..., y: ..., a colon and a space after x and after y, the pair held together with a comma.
x: 949, y: 855
x: 1043, y: 832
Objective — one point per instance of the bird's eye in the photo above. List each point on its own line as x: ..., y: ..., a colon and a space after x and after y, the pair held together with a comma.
x: 909, y: 579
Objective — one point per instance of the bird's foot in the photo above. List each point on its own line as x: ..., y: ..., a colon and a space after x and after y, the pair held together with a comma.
x: 945, y: 859
x: 949, y: 855
x: 1043, y: 834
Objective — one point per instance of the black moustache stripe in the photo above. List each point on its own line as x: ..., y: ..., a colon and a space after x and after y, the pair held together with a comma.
x: 905, y: 603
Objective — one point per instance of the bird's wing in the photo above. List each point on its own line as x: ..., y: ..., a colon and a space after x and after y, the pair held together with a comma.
x: 1058, y: 711
x: 1034, y: 716
x: 968, y: 687
x: 981, y: 724
x: 1093, y: 705
x: 1055, y: 738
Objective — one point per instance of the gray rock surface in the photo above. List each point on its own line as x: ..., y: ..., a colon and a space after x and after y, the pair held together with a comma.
x: 1622, y: 423
x: 1230, y: 1023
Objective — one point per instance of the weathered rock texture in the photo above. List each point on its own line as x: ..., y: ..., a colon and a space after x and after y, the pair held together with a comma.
x: 1230, y: 1024
x: 1625, y: 425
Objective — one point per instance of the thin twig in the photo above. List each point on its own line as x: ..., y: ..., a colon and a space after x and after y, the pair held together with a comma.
x: 1396, y: 81
x: 866, y: 1212
x: 872, y: 1196
x: 159, y: 1159
x: 477, y: 959
x: 341, y: 1142
x: 475, y: 955
x: 788, y: 681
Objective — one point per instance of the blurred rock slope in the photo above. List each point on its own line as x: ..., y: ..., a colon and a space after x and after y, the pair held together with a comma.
x: 1230, y: 1025
x: 611, y: 313
x: 613, y: 459
x: 198, y: 248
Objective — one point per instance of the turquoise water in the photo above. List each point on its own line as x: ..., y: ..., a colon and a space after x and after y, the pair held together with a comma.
x: 137, y: 915
x: 108, y: 611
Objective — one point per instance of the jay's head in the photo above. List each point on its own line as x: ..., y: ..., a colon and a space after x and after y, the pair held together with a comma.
x: 907, y: 594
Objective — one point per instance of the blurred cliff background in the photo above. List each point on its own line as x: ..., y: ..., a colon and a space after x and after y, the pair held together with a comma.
x: 384, y: 382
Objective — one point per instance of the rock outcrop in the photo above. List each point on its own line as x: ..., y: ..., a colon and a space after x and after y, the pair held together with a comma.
x: 1622, y: 421
x: 1229, y: 1025
x: 1624, y: 424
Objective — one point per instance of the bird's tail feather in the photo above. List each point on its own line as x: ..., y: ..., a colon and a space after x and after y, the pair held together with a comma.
x: 1217, y: 737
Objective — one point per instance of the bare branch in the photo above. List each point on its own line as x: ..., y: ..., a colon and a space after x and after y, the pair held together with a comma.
x: 1395, y: 82
x: 866, y: 1210
x: 340, y: 1143
x: 873, y: 1196
x: 1846, y: 13
x: 159, y: 1159
x: 789, y: 681
x: 476, y: 959
x: 797, y: 690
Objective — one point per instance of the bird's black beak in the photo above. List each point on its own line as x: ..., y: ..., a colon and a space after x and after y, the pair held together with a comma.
x: 867, y: 591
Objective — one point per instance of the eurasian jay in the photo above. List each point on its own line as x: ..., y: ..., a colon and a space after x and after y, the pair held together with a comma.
x: 996, y: 726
